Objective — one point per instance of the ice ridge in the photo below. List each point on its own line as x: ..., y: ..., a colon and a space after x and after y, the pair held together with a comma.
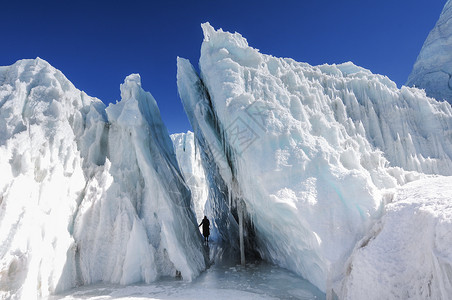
x: 88, y: 194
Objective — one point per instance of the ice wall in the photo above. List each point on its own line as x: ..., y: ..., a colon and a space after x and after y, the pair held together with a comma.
x: 210, y: 196
x: 86, y: 194
x: 136, y: 222
x: 42, y: 180
x: 188, y: 156
x: 219, y: 207
x: 432, y: 70
x: 310, y: 150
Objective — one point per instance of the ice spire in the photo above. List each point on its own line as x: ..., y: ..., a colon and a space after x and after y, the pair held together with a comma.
x: 433, y: 68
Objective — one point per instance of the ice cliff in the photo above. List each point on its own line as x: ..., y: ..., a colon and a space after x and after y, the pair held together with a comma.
x: 88, y: 194
x: 311, y: 153
x: 432, y: 70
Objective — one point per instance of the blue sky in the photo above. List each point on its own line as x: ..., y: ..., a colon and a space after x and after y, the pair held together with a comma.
x: 96, y: 44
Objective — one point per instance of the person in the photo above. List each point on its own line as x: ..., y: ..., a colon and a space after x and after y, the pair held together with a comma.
x: 205, y: 228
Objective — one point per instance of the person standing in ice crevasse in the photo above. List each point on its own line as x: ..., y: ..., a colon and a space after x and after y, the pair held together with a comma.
x: 205, y: 228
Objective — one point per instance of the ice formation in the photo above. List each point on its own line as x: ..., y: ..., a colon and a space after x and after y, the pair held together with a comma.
x: 189, y: 158
x: 87, y: 194
x: 332, y: 171
x: 432, y: 70
x: 208, y: 191
x: 144, y: 205
x: 312, y: 152
x: 42, y: 177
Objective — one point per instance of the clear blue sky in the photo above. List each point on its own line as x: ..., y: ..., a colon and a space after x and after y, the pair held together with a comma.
x: 97, y: 43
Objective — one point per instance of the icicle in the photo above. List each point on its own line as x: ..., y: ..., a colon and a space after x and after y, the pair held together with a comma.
x: 240, y: 208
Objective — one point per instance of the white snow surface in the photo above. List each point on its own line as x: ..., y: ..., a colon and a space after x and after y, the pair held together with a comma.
x: 432, y: 70
x: 42, y: 180
x: 87, y: 194
x: 408, y: 253
x: 313, y: 151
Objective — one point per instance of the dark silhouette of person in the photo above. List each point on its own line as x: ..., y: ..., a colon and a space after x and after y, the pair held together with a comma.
x: 205, y: 228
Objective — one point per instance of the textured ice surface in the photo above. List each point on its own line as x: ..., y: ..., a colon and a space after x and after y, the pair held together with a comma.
x: 87, y: 195
x: 188, y: 156
x: 408, y: 254
x: 42, y: 180
x: 137, y: 221
x: 311, y: 150
x: 433, y: 68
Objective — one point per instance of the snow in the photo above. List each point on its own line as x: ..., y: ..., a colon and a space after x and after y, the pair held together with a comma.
x: 41, y: 179
x: 313, y: 151
x: 433, y: 68
x: 408, y: 254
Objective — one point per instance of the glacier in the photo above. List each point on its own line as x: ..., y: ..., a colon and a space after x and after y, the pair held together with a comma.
x: 313, y: 154
x: 329, y: 171
x: 88, y: 194
x: 432, y: 70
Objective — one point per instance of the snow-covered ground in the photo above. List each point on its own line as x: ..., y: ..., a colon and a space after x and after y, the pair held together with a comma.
x: 408, y: 253
x: 222, y: 281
